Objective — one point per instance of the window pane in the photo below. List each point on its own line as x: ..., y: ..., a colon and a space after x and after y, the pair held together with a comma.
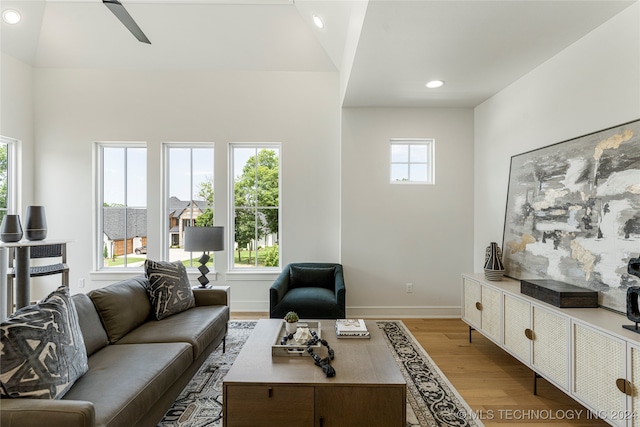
x: 114, y: 176
x: 267, y: 178
x: 399, y: 153
x: 418, y: 153
x: 137, y: 177
x: 256, y: 206
x: 399, y: 172
x: 418, y: 172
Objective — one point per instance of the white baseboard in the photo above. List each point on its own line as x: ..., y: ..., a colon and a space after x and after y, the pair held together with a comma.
x: 387, y: 312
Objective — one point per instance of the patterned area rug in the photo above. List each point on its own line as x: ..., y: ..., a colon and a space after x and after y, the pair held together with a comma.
x: 431, y: 399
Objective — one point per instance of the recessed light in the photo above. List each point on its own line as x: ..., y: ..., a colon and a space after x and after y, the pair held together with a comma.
x: 434, y: 84
x: 318, y: 21
x: 11, y: 16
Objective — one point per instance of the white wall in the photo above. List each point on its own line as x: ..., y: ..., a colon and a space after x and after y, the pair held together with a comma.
x: 592, y: 85
x: 395, y: 234
x: 16, y: 118
x: 76, y: 107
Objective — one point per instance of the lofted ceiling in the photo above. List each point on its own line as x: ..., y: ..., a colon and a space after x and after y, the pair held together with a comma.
x: 385, y: 50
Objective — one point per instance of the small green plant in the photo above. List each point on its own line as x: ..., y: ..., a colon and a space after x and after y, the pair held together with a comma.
x: 291, y: 317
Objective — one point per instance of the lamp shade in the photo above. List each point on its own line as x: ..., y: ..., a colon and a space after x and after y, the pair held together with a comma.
x: 204, y: 239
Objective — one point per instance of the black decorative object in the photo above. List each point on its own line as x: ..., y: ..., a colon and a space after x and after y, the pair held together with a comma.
x: 493, y: 267
x: 36, y: 225
x: 11, y: 230
x: 634, y: 266
x: 324, y: 364
x: 203, y: 239
x: 559, y: 294
x: 633, y: 312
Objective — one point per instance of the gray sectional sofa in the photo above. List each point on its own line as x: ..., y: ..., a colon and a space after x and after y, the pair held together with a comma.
x: 137, y: 365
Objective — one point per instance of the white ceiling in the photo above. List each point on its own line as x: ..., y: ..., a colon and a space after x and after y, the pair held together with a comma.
x: 388, y: 49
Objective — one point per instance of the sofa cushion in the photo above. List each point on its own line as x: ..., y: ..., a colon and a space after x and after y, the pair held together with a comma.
x: 168, y: 288
x: 321, y: 277
x: 198, y: 326
x: 95, y: 337
x: 124, y: 381
x: 43, y: 351
x: 122, y: 306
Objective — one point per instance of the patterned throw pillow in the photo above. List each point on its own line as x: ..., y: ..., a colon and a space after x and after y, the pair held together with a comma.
x: 169, y: 289
x: 42, y: 347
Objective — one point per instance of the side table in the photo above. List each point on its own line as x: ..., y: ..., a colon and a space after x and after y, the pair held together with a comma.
x: 22, y: 270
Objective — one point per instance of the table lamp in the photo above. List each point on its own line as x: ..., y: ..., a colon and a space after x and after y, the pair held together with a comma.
x: 203, y: 239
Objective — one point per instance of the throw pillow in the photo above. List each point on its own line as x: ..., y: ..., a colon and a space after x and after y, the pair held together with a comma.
x: 169, y: 289
x: 42, y: 347
x: 317, y: 277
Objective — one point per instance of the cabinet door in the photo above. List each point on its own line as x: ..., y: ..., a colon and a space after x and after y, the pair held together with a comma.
x: 268, y: 406
x: 490, y: 312
x: 634, y: 377
x: 550, y: 346
x: 360, y: 406
x: 472, y: 302
x: 599, y: 361
x: 517, y: 320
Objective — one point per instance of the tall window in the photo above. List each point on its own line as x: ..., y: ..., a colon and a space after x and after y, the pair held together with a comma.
x: 190, y: 195
x: 122, y: 202
x: 412, y: 161
x: 7, y: 176
x: 256, y: 205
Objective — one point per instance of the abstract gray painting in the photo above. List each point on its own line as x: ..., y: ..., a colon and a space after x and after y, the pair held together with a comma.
x: 573, y: 213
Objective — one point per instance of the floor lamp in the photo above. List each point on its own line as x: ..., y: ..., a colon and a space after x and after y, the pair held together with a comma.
x: 203, y: 239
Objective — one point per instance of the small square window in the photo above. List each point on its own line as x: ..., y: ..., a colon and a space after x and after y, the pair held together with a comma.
x: 412, y: 161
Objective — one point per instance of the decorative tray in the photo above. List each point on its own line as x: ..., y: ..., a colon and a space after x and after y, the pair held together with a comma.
x: 293, y: 347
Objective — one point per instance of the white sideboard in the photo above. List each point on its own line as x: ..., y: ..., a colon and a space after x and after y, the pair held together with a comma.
x: 583, y: 351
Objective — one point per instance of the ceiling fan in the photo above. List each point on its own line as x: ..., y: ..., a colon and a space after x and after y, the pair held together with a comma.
x: 121, y: 13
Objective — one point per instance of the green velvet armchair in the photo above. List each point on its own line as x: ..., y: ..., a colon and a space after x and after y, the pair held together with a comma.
x: 313, y: 290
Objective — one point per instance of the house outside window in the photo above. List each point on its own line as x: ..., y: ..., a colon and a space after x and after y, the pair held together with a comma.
x: 8, y: 176
x: 190, y: 197
x: 122, y: 205
x: 412, y: 161
x: 255, y: 216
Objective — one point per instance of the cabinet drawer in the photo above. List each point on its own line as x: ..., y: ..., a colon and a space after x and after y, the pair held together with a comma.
x: 349, y: 406
x: 267, y: 406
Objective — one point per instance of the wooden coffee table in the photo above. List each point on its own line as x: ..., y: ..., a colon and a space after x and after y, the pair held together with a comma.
x: 265, y: 390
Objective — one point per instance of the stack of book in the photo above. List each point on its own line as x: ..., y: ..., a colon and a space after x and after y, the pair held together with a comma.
x: 351, y: 328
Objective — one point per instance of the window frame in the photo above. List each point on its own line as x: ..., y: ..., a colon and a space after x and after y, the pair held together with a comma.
x: 99, y: 147
x: 232, y: 269
x: 430, y: 163
x: 166, y: 173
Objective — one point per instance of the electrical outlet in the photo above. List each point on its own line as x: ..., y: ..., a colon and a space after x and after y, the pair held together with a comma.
x: 409, y: 288
x: 81, y: 283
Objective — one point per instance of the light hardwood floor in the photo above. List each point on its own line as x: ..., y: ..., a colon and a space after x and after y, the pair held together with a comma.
x: 498, y: 388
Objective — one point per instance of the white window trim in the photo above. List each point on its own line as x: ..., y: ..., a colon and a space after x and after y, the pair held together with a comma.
x: 431, y: 160
x: 246, y: 273
x: 98, y: 175
x: 14, y: 173
x: 164, y: 232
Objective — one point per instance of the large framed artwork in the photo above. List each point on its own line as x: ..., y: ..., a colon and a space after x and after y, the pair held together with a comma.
x: 573, y: 213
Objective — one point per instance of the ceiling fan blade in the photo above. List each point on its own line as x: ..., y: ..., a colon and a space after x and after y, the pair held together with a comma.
x: 121, y: 13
